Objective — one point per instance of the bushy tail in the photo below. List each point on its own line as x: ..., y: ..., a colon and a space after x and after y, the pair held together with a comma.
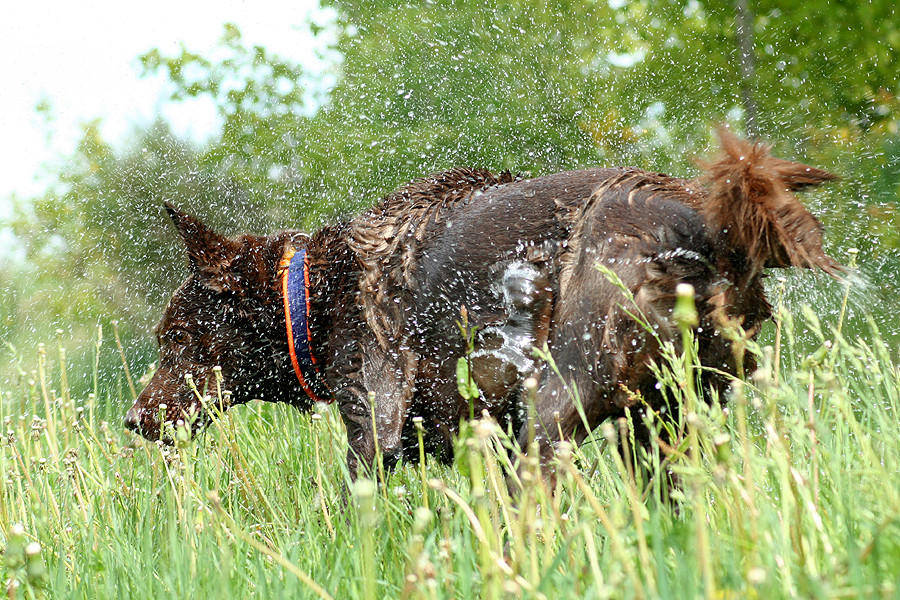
x: 750, y: 200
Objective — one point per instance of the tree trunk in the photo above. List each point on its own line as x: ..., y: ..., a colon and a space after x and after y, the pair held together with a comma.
x: 744, y: 37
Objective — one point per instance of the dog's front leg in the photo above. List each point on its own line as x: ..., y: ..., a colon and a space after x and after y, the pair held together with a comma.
x: 374, y: 407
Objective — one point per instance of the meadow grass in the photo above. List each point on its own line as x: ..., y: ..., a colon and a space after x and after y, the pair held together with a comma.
x: 792, y: 491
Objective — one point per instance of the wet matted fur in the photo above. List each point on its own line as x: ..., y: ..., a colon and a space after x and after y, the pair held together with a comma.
x: 521, y: 256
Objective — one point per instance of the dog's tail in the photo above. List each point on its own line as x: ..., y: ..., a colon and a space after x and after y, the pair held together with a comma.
x: 751, y: 202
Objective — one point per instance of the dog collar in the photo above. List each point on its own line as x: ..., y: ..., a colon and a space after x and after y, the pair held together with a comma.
x: 294, y: 269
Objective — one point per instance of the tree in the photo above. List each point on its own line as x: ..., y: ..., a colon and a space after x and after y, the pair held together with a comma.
x: 532, y: 86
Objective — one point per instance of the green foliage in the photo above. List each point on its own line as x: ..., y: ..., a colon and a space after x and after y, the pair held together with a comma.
x: 840, y: 60
x: 263, y: 106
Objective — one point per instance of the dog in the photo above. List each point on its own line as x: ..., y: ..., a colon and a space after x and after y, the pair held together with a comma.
x: 367, y: 312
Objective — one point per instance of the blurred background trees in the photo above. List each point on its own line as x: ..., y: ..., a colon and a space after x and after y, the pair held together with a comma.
x: 534, y: 86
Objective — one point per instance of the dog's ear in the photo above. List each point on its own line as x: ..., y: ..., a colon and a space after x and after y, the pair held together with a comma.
x: 211, y: 255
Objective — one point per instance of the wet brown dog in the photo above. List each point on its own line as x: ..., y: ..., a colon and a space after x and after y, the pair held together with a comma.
x: 381, y: 295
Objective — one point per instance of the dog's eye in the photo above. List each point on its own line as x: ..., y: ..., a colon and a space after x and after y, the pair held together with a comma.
x: 179, y: 336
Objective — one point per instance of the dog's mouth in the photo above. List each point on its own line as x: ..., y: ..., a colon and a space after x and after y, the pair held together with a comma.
x: 158, y: 426
x: 170, y: 411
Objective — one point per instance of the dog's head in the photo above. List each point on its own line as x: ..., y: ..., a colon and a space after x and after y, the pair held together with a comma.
x: 222, y: 316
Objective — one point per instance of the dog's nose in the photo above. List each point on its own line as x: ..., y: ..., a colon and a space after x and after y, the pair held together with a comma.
x: 133, y: 420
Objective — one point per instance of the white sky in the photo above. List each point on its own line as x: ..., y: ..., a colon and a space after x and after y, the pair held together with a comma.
x: 82, y: 58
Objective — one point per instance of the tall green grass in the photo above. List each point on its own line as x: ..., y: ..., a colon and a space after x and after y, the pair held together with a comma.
x: 792, y: 491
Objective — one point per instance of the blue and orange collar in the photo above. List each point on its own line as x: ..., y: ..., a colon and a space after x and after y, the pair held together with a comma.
x: 294, y: 269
